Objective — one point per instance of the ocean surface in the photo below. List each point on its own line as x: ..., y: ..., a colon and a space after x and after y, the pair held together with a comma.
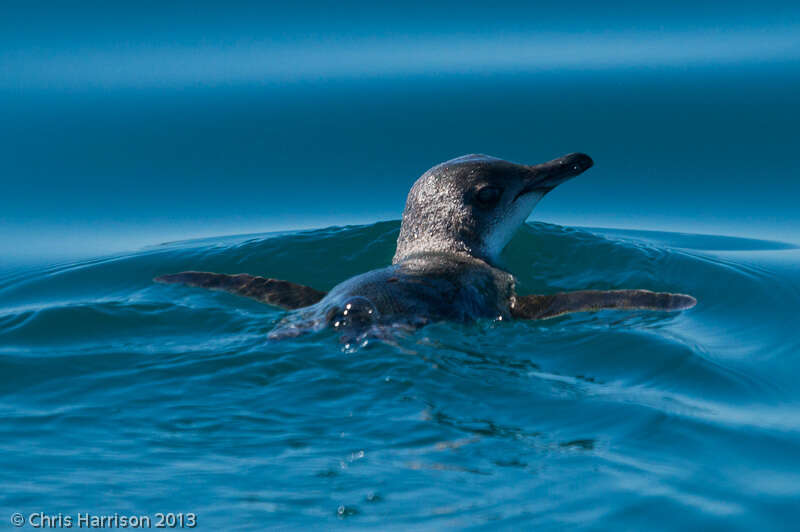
x: 119, y: 395
x: 125, y: 124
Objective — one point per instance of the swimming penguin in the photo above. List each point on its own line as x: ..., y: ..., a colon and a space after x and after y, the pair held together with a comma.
x: 459, y: 215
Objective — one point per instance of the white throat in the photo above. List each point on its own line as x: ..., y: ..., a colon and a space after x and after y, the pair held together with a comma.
x: 500, y: 235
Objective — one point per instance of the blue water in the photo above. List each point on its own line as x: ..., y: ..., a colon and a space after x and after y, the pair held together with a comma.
x: 126, y: 124
x: 121, y: 395
x: 129, y: 123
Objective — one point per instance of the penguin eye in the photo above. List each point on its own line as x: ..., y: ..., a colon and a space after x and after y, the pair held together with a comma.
x: 488, y: 196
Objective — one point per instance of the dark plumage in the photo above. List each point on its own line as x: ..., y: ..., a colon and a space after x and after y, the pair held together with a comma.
x: 459, y: 216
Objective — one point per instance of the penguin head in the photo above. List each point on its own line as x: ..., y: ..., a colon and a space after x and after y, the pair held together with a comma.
x: 474, y: 204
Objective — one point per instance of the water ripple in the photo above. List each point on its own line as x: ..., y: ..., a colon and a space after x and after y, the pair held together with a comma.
x: 565, y: 422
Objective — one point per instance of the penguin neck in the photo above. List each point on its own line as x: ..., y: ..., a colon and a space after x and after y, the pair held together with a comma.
x: 450, y: 253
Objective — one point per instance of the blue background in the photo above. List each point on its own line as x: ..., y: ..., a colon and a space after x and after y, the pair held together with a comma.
x: 127, y: 124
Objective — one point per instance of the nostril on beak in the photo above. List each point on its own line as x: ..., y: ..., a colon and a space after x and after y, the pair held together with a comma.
x: 547, y: 176
x: 580, y: 162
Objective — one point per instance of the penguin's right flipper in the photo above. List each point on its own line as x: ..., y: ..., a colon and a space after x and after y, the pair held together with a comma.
x: 275, y: 292
x: 539, y: 307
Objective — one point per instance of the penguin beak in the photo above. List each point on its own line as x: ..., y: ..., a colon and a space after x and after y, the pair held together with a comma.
x: 546, y: 176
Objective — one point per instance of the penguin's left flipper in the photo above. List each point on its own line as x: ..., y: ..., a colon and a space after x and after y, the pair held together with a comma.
x: 275, y: 292
x: 538, y: 307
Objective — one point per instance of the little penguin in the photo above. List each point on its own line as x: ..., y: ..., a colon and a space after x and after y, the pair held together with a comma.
x: 458, y: 217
